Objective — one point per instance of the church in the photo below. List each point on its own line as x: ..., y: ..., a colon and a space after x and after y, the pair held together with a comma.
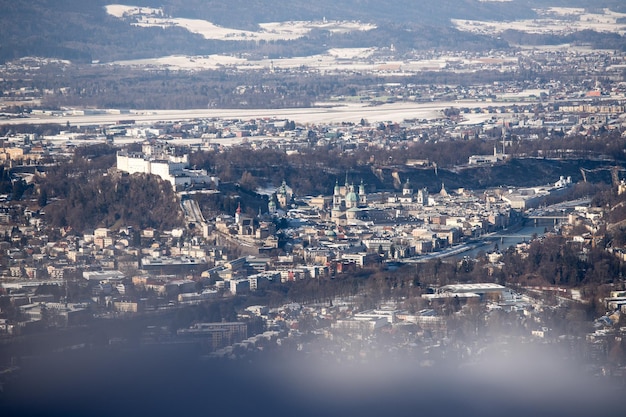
x: 282, y: 198
x: 410, y: 197
x: 349, y: 204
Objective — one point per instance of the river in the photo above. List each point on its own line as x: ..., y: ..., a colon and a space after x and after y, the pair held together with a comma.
x: 503, y: 240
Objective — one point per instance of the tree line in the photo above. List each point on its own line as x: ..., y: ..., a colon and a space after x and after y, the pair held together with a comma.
x: 314, y: 170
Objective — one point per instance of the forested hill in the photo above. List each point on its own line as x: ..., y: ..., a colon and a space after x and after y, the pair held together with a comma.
x: 248, y: 13
x: 82, y: 31
x: 245, y: 13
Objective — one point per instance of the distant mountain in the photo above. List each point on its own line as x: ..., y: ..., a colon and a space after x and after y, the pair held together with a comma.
x: 245, y: 13
x: 83, y: 31
x: 80, y: 31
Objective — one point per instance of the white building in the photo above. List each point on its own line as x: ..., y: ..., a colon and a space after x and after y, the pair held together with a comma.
x: 487, y: 159
x: 162, y: 162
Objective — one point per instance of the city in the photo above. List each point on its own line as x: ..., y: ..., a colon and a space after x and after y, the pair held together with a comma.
x: 437, y: 215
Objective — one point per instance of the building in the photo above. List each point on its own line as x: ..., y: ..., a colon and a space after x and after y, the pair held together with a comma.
x: 480, y: 291
x: 284, y: 196
x: 360, y: 326
x: 173, y: 265
x: 163, y: 162
x: 104, y: 276
x: 239, y: 286
x: 490, y: 159
x: 349, y: 204
x: 389, y: 315
x: 215, y: 335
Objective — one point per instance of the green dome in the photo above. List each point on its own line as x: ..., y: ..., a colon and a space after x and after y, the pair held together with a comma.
x: 352, y: 197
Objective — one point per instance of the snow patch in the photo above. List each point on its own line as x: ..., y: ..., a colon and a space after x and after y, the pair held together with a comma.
x: 551, y: 21
x: 272, y: 31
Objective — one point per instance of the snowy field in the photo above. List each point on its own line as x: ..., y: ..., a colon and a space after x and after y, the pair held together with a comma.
x: 344, y: 59
x: 339, y: 59
x: 348, y: 59
x: 325, y: 113
x: 334, y: 60
x: 272, y: 31
x: 553, y: 20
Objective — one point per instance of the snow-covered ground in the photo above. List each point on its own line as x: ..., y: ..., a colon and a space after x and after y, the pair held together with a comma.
x: 325, y: 113
x: 186, y: 62
x: 552, y: 20
x: 350, y: 59
x: 334, y: 60
x: 271, y: 31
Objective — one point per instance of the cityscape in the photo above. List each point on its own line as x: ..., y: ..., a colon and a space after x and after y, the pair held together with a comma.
x: 360, y: 229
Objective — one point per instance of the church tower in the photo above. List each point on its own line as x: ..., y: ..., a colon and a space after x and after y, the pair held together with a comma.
x: 422, y: 196
x: 284, y: 196
x: 407, y: 190
x: 271, y: 206
x: 337, y: 196
x: 362, y: 195
x: 443, y: 192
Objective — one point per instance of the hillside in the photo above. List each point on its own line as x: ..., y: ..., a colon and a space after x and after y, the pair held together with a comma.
x: 83, y: 31
x: 246, y: 13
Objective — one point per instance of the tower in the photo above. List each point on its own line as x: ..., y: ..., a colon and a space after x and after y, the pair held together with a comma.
x: 407, y: 190
x: 422, y: 196
x: 337, y: 195
x: 362, y: 195
x: 443, y: 192
x: 503, y: 138
x: 284, y: 195
x: 271, y: 206
x: 238, y: 214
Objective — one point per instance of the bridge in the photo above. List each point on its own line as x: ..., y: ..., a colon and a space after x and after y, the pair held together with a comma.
x: 552, y: 218
x: 507, y: 236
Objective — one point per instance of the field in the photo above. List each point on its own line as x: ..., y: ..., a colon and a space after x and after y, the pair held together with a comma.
x: 551, y: 21
x: 272, y: 31
x: 323, y: 113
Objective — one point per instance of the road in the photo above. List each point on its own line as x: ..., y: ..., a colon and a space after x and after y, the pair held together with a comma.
x: 192, y: 211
